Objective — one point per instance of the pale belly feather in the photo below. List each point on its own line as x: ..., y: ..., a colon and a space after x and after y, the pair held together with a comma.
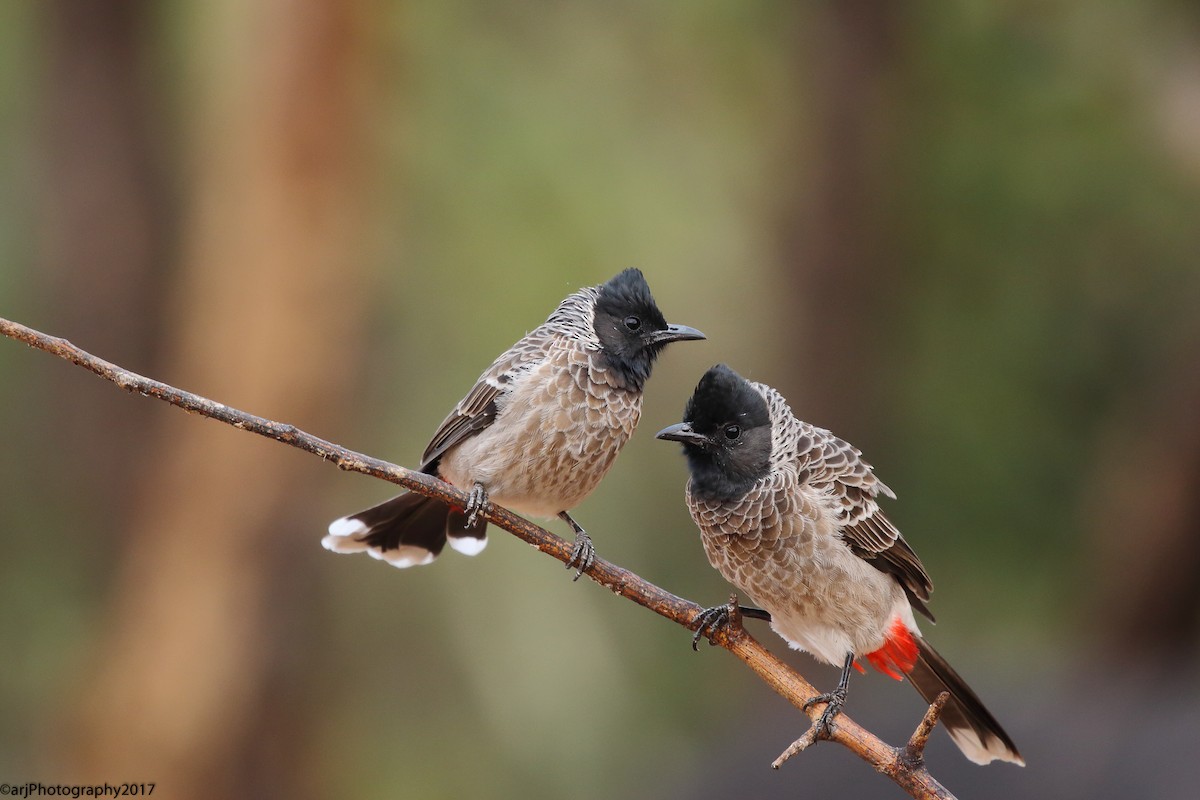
x: 553, y: 440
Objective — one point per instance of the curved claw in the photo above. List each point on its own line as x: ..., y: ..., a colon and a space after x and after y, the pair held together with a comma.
x: 822, y: 727
x: 477, y: 501
x: 582, y: 555
x: 710, y: 621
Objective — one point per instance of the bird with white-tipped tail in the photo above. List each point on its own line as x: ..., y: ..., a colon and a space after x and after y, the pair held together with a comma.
x: 788, y: 513
x: 537, y: 432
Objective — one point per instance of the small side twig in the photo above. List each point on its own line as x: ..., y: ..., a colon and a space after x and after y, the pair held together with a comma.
x: 914, y: 751
x: 909, y: 773
x: 800, y: 745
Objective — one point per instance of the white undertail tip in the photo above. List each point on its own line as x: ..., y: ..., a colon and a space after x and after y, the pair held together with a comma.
x: 340, y: 538
x: 403, y: 557
x: 346, y: 526
x: 980, y: 752
x: 340, y: 544
x: 343, y: 538
x: 468, y: 545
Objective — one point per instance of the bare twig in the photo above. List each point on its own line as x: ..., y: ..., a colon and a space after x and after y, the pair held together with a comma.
x: 806, y: 740
x: 914, y: 751
x: 905, y: 767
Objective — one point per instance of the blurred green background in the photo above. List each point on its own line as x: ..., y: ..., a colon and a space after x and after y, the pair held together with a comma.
x: 963, y: 236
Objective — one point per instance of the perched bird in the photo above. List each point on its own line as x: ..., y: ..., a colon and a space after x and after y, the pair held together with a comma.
x: 788, y: 513
x: 537, y: 431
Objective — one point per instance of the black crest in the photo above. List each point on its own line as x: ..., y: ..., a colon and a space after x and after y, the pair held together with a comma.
x: 722, y: 395
x: 627, y: 293
x: 734, y: 420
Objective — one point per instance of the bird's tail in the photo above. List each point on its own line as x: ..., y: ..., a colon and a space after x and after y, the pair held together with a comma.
x: 406, y: 531
x: 969, y: 723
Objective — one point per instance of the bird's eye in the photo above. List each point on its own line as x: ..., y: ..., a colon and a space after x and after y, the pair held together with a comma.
x: 633, y: 323
x: 732, y: 432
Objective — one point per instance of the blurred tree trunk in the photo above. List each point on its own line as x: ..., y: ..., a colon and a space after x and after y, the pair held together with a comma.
x: 1143, y: 515
x: 838, y: 282
x: 103, y: 227
x: 206, y: 639
x: 1141, y: 510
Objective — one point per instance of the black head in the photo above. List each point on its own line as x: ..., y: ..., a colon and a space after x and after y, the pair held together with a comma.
x: 726, y: 435
x: 631, y: 329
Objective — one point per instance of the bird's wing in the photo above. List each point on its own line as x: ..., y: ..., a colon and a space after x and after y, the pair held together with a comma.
x: 478, y: 409
x: 840, y: 470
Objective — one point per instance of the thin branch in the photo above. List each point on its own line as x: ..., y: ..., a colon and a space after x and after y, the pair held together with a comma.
x: 899, y: 765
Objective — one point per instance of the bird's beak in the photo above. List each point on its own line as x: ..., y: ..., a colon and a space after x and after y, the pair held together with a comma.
x: 682, y: 433
x: 676, y: 333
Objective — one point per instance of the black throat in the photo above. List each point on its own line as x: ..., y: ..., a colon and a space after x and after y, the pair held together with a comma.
x: 632, y: 368
x: 715, y: 481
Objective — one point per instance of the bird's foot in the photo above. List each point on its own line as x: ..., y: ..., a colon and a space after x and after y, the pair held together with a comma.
x: 822, y: 727
x: 583, y: 554
x: 477, y: 502
x: 711, y: 620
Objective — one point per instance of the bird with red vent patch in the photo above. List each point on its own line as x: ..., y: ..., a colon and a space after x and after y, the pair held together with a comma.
x: 788, y: 513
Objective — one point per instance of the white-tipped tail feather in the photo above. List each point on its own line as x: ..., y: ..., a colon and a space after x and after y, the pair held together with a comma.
x: 969, y: 723
x: 403, y: 556
x: 341, y: 536
x: 342, y: 539
x: 976, y: 750
x: 467, y: 545
x: 407, y: 531
x: 340, y: 531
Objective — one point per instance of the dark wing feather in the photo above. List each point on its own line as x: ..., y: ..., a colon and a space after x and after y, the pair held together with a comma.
x: 840, y: 470
x: 876, y: 540
x: 478, y: 409
x: 474, y: 412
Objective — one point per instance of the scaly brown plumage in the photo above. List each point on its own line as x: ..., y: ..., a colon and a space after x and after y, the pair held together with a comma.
x: 789, y: 514
x: 536, y: 433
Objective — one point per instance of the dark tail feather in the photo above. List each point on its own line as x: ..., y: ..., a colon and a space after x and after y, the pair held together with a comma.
x: 406, y: 531
x: 970, y: 725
